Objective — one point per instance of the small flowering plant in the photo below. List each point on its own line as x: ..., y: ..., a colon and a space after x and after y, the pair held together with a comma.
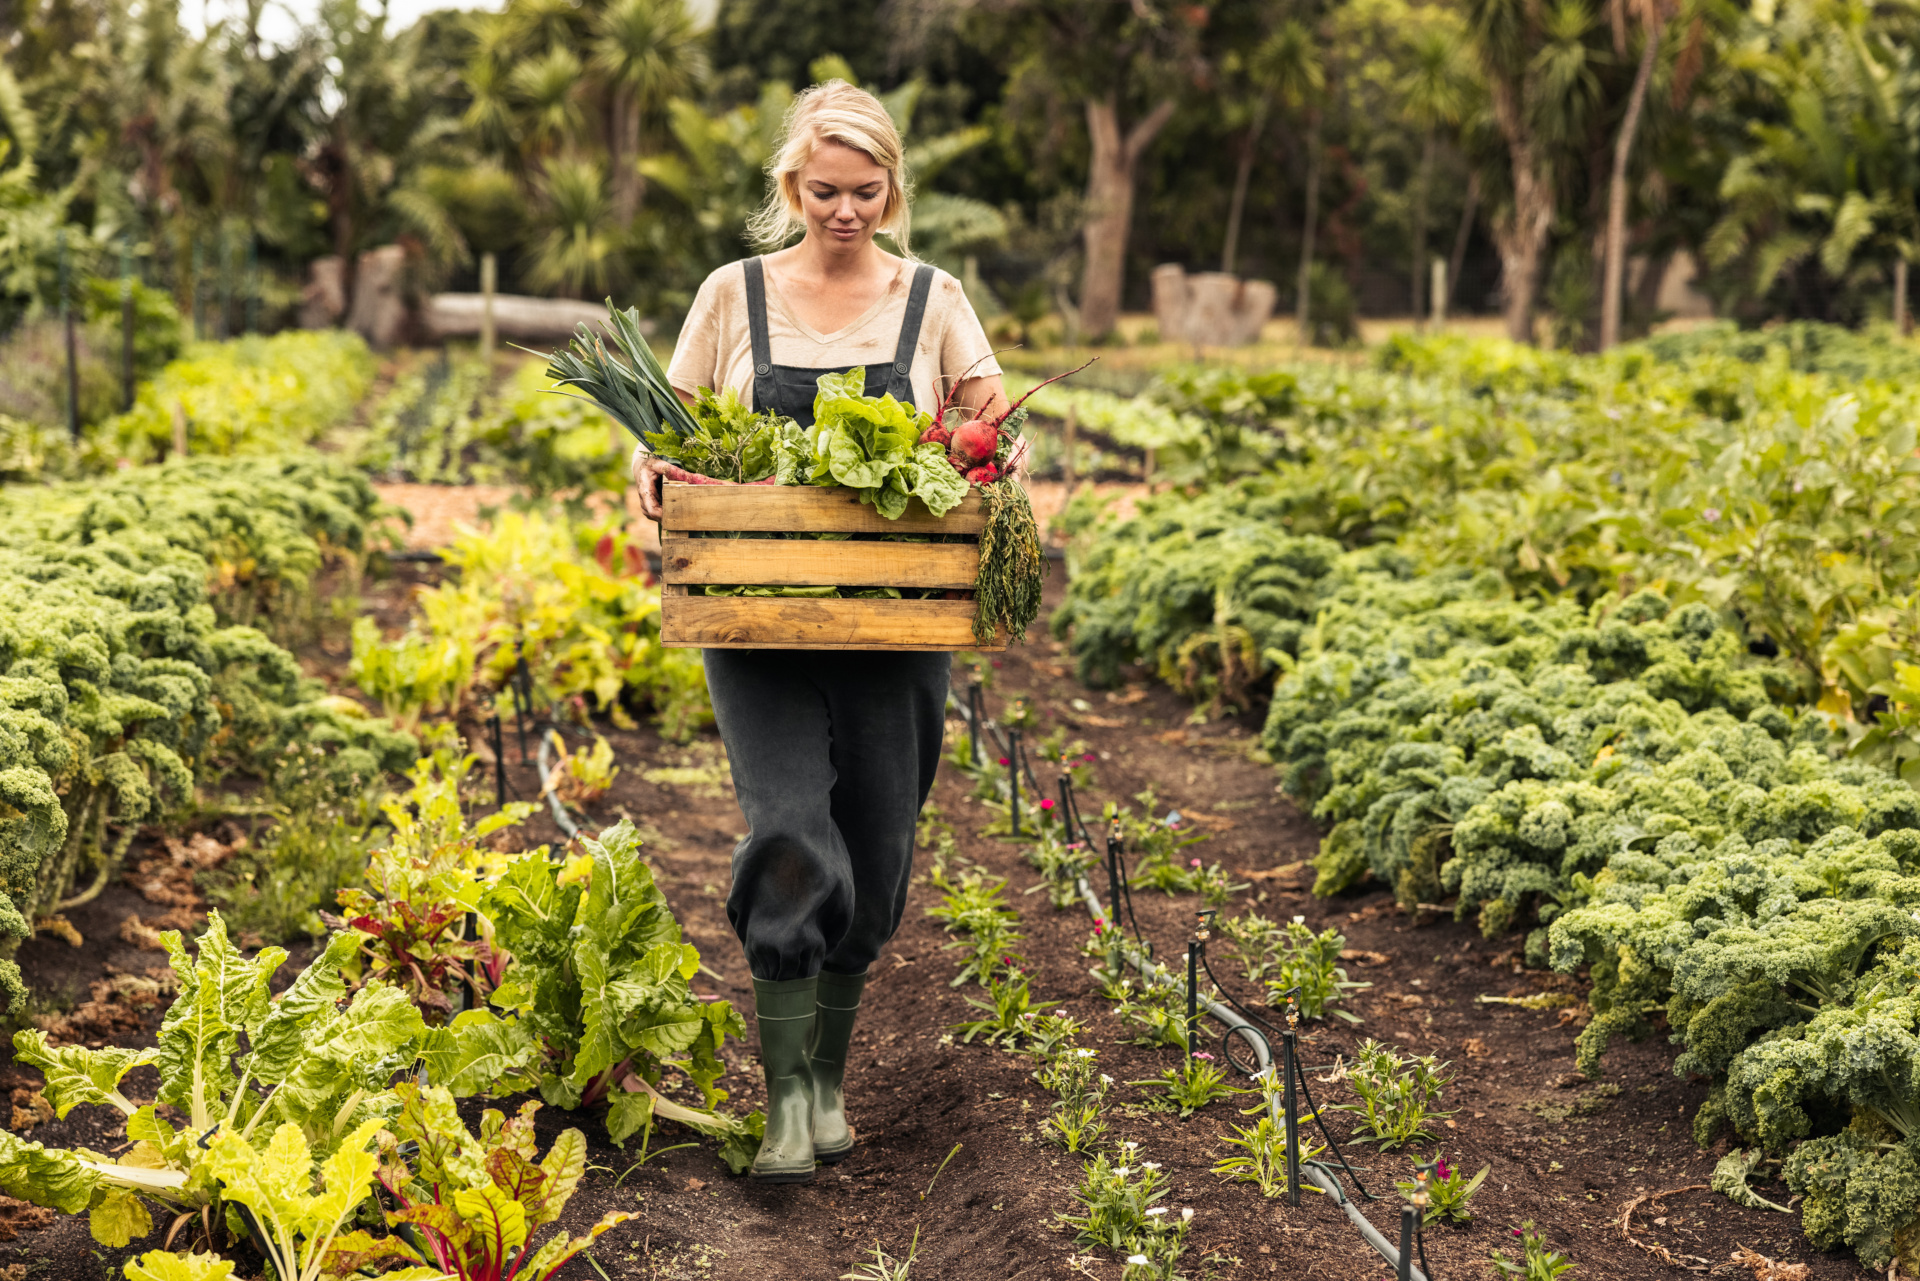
x: 1060, y: 862
x: 1161, y: 1246
x: 1262, y: 1158
x: 1070, y: 758
x: 1156, y: 1008
x: 1049, y: 1033
x: 1196, y: 1082
x: 1118, y: 1193
x: 1448, y: 1191
x: 1311, y: 964
x: 1008, y: 1012
x: 1078, y: 1120
x: 1396, y: 1095
x: 1537, y: 1263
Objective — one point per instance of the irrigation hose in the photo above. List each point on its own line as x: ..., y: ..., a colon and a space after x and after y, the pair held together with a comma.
x: 1312, y: 1171
x: 560, y: 814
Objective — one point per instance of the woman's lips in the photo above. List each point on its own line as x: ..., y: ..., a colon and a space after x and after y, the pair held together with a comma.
x: 845, y: 233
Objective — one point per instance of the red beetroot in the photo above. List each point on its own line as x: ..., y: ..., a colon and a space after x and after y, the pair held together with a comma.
x: 938, y: 434
x: 975, y: 441
x: 984, y: 474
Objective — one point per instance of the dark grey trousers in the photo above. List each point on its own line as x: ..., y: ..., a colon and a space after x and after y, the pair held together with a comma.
x: 833, y: 753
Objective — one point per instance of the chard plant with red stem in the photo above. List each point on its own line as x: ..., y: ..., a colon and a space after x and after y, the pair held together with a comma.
x: 423, y: 888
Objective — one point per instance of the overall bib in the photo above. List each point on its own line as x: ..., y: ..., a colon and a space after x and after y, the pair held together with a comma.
x: 833, y: 752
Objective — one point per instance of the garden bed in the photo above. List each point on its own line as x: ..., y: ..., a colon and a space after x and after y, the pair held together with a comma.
x: 1568, y: 1154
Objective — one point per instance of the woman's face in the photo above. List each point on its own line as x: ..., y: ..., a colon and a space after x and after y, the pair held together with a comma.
x: 842, y: 194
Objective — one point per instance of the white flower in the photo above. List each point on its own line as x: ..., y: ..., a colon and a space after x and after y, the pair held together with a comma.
x: 1186, y: 1215
x: 1105, y: 1079
x: 1149, y: 1165
x: 1123, y: 1171
x: 1060, y: 1014
x: 1085, y: 1054
x: 1130, y: 1145
x: 1137, y: 1260
x: 1156, y: 1211
x: 1299, y: 920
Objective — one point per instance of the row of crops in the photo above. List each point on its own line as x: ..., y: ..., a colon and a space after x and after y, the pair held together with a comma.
x: 1616, y: 654
x: 147, y: 676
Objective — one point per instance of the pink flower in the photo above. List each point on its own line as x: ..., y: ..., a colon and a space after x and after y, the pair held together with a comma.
x: 1202, y: 1054
x: 1441, y: 1169
x: 1515, y: 1231
x: 1193, y: 863
x: 1003, y: 760
x: 1710, y: 514
x: 1088, y: 758
x: 1046, y: 804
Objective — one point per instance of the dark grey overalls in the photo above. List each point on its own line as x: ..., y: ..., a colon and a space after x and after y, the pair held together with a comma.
x: 833, y: 751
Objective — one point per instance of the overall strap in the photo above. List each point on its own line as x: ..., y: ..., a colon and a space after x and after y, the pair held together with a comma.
x: 765, y: 390
x: 899, y: 385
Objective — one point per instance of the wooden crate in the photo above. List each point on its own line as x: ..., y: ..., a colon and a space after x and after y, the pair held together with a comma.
x: 787, y: 622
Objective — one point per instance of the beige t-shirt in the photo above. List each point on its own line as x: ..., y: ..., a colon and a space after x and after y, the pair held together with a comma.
x: 715, y: 349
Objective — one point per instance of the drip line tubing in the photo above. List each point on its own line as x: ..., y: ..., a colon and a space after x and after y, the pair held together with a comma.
x: 1312, y: 1171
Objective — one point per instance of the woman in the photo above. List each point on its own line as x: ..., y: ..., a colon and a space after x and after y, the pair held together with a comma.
x: 833, y: 752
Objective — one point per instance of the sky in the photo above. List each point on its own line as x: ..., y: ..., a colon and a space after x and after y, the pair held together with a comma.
x: 284, y: 17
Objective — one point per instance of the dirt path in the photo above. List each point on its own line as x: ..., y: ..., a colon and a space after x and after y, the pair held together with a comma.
x: 1563, y: 1153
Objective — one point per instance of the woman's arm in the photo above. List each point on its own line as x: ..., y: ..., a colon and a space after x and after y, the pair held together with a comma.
x: 986, y: 397
x: 647, y: 471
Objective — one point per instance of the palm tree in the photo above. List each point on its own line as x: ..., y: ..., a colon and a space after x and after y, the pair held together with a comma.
x: 547, y: 91
x: 1542, y: 86
x: 1433, y: 93
x: 579, y: 252
x: 646, y: 52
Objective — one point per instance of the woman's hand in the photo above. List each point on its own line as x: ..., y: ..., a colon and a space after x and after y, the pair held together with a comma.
x: 648, y: 472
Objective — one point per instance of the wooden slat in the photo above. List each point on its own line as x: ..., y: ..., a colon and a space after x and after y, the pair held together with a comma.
x: 781, y: 562
x: 810, y: 508
x: 782, y: 622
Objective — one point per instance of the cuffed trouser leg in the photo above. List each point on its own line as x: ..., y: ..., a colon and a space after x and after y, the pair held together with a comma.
x: 833, y: 754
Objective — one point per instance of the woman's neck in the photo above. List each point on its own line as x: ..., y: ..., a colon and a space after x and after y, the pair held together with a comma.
x: 833, y: 265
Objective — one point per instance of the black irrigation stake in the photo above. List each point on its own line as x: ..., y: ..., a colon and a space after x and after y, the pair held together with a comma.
x: 1298, y: 1074
x: 1070, y: 803
x: 1290, y: 1108
x: 1196, y: 948
x: 1416, y: 1209
x: 499, y: 760
x: 522, y: 694
x: 1013, y: 781
x: 973, y: 723
x: 1406, y: 1243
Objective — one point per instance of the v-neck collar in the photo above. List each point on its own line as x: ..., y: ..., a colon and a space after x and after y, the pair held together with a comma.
x: 775, y: 299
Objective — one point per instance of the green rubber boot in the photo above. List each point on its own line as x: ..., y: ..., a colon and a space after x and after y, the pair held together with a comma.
x: 784, y: 1011
x: 839, y: 1004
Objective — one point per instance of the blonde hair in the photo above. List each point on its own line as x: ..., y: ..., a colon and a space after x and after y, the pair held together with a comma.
x: 833, y: 111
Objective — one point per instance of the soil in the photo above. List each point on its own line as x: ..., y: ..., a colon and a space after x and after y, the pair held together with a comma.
x: 949, y: 1147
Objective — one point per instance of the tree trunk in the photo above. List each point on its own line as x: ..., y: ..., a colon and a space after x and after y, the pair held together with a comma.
x: 625, y: 149
x: 1613, y: 279
x: 1422, y: 191
x: 1237, y: 206
x: 1302, y: 313
x: 1457, y: 259
x: 340, y: 214
x: 1109, y: 211
x: 1521, y: 235
x: 1902, y: 319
